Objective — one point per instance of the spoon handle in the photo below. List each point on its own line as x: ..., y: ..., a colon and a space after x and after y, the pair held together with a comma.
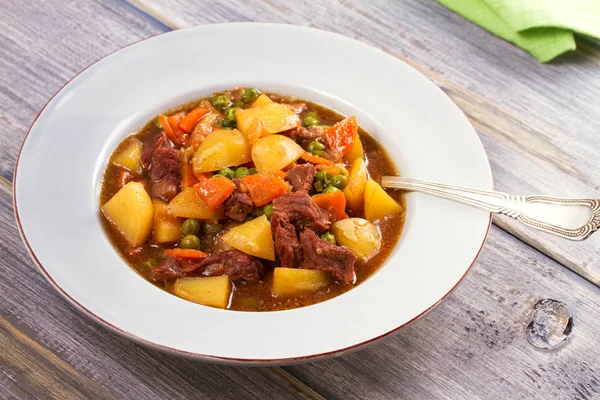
x: 574, y: 219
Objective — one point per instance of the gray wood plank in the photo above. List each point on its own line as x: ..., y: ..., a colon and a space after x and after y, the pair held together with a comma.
x: 45, y: 344
x: 535, y: 120
x: 68, y: 354
x: 28, y: 370
x: 473, y: 345
x: 43, y: 45
x: 436, y: 357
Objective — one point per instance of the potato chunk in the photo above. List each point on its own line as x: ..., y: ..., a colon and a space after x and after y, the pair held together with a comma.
x: 359, y: 235
x: 356, y: 151
x: 129, y: 157
x: 266, y: 119
x: 379, y: 204
x: 254, y: 238
x: 288, y: 281
x: 167, y: 227
x: 187, y: 204
x: 131, y: 210
x: 213, y: 291
x: 275, y: 152
x: 221, y: 148
x: 261, y: 101
x: 355, y: 189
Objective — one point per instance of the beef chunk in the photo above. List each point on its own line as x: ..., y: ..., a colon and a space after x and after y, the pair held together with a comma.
x: 332, y: 155
x: 233, y: 263
x: 238, y: 205
x: 286, y: 240
x: 324, y: 256
x: 160, y: 142
x: 302, y: 211
x: 297, y: 107
x: 165, y: 173
x: 168, y: 270
x: 302, y: 135
x: 301, y: 177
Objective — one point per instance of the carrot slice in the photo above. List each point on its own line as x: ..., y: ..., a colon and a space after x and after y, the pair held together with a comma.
x: 187, y: 176
x: 334, y: 203
x: 164, y: 121
x: 185, y: 253
x: 191, y: 119
x: 124, y: 178
x: 263, y: 188
x: 279, y: 174
x: 311, y: 158
x: 214, y: 191
x: 202, y: 175
x: 341, y: 136
x: 174, y: 121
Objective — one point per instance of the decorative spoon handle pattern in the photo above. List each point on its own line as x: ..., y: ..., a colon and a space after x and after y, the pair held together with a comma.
x: 574, y: 219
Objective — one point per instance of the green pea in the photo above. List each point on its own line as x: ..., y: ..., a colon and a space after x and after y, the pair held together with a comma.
x: 331, y: 189
x: 230, y: 114
x: 312, y: 114
x: 190, y: 242
x: 315, y: 147
x: 157, y: 123
x: 339, y: 181
x: 228, y: 123
x: 211, y: 229
x: 249, y: 302
x: 310, y: 121
x: 221, y: 102
x: 328, y: 236
x: 238, y: 104
x: 325, y: 126
x: 252, y: 171
x: 241, y: 172
x: 323, y: 176
x: 250, y: 94
x: 268, y: 210
x: 227, y: 173
x: 216, y: 176
x: 190, y: 227
x: 319, y: 186
x: 151, y: 263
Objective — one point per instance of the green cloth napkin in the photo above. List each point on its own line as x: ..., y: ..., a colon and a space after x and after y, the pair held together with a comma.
x: 542, y: 27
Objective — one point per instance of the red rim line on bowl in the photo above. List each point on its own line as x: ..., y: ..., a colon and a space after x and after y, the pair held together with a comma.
x: 205, y: 357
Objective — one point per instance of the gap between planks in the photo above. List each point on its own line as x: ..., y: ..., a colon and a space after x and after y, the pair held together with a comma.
x: 65, y: 382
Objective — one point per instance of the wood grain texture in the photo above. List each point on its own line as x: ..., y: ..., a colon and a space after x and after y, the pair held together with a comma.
x: 32, y: 371
x: 530, y: 118
x: 48, y: 348
x: 533, y: 119
x: 43, y: 45
x: 473, y: 345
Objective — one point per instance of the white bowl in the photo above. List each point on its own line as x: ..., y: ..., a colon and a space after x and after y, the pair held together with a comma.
x: 59, y: 171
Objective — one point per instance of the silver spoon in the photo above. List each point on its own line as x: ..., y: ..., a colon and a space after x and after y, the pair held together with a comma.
x: 574, y: 219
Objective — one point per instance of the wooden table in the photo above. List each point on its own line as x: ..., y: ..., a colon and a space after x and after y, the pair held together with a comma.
x: 540, y: 125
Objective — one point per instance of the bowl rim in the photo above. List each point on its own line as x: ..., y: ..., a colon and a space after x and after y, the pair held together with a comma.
x: 195, y: 355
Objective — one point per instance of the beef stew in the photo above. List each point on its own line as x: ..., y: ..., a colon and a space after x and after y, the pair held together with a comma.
x: 252, y: 201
